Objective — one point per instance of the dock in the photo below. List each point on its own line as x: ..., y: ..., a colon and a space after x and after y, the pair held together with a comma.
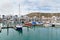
x: 6, y: 28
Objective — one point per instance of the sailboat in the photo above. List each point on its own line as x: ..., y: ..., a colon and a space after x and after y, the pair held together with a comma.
x: 19, y: 26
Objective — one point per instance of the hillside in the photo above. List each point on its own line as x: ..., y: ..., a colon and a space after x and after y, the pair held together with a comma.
x: 43, y: 14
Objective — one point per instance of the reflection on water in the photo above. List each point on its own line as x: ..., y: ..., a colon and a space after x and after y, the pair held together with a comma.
x: 20, y: 31
x: 32, y: 33
x: 7, y: 31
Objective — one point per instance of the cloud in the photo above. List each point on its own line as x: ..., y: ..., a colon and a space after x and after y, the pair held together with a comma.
x: 27, y: 6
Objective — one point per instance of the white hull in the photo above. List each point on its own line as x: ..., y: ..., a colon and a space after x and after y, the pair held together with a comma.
x: 56, y: 23
x: 19, y: 26
x: 39, y: 23
x: 47, y: 25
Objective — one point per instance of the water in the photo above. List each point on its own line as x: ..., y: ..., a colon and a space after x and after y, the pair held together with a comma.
x: 33, y: 33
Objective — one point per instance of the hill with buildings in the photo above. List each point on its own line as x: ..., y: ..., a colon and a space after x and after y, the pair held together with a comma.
x: 38, y: 14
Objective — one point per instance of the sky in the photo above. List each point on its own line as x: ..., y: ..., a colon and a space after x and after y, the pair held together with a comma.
x: 11, y: 7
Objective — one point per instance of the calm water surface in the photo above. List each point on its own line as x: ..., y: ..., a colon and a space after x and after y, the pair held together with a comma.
x: 34, y: 33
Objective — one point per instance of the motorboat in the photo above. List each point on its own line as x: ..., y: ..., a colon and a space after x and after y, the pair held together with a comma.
x: 56, y: 24
x: 33, y: 23
x: 39, y: 23
x: 27, y: 24
x: 47, y: 24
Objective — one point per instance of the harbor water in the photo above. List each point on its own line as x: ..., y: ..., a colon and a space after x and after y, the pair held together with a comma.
x: 33, y: 33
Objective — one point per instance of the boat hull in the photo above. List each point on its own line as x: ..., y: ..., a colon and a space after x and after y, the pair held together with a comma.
x: 19, y: 28
x: 47, y: 25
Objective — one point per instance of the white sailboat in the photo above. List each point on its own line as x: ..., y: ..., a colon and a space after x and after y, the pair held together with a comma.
x: 19, y: 26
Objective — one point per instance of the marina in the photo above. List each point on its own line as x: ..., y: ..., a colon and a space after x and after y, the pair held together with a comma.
x: 28, y: 29
x: 29, y: 20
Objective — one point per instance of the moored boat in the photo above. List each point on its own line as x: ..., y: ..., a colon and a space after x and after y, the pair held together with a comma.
x: 27, y: 24
x: 33, y: 23
x: 39, y: 23
x: 47, y: 24
x: 19, y: 27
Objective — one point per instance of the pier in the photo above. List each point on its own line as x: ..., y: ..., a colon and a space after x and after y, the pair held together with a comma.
x: 6, y: 28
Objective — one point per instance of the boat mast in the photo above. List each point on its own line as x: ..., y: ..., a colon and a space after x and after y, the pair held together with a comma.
x: 19, y: 9
x: 19, y: 12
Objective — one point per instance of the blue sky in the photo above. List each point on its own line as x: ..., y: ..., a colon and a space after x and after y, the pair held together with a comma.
x: 28, y: 6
